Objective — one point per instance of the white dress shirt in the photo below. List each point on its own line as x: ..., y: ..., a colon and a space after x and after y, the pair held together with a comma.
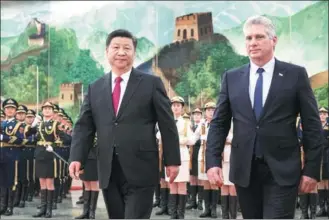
x: 267, y: 79
x: 123, y: 84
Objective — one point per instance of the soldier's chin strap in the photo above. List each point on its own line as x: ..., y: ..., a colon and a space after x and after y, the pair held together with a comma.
x: 58, y: 156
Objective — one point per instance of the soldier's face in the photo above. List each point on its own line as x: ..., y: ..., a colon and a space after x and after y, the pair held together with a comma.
x: 121, y: 53
x: 209, y: 113
x: 10, y: 112
x: 55, y: 116
x: 48, y: 111
x: 197, y: 117
x: 177, y: 108
x: 29, y: 120
x: 20, y: 116
x: 323, y: 116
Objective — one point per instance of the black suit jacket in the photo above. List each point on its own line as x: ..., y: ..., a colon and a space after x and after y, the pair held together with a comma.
x: 131, y: 132
x: 290, y: 93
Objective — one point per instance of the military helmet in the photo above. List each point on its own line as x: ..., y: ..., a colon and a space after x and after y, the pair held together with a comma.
x: 177, y: 99
x: 30, y: 112
x: 47, y: 104
x: 56, y: 108
x: 323, y: 109
x: 210, y: 105
x: 10, y: 103
x: 61, y: 112
x: 197, y: 110
x: 186, y: 116
x: 21, y: 109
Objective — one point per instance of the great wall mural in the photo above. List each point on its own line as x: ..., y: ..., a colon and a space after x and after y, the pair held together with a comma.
x: 53, y: 50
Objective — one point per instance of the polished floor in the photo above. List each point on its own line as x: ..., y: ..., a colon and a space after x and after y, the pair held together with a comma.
x: 68, y: 210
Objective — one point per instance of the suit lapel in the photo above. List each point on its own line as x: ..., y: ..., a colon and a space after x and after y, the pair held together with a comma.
x: 132, y: 85
x: 245, y: 73
x: 277, y: 80
x: 108, y: 91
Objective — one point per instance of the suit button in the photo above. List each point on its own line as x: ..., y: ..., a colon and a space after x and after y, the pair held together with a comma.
x: 116, y: 123
x: 257, y: 127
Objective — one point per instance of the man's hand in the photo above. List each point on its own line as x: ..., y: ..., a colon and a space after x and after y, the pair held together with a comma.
x: 74, y: 169
x: 215, y: 176
x: 307, y: 184
x: 172, y: 172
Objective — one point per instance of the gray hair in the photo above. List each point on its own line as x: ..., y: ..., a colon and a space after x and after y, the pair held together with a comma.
x: 260, y: 20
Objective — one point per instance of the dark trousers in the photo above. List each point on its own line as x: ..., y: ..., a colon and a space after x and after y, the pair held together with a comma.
x: 125, y: 201
x: 264, y: 198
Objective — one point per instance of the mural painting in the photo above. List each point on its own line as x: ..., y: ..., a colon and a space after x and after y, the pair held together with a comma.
x: 53, y: 50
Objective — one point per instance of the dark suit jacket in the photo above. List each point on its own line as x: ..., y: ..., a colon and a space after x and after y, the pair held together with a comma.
x: 131, y: 132
x: 290, y: 93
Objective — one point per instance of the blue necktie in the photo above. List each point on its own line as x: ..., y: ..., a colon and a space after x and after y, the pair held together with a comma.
x: 258, y: 96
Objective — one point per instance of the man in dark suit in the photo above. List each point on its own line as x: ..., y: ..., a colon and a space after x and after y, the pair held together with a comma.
x: 123, y: 108
x: 264, y: 98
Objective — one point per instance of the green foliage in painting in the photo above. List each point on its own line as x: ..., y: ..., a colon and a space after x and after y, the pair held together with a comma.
x: 203, y: 78
x: 321, y: 95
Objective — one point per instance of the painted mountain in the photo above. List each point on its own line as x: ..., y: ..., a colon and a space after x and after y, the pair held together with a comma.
x: 307, y: 45
x: 154, y: 22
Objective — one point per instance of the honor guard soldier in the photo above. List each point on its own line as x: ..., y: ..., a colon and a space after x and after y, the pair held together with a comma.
x: 89, y: 177
x: 66, y: 153
x: 195, y: 188
x: 11, y: 138
x: 22, y: 185
x: 61, y: 149
x: 307, y: 201
x: 164, y: 186
x: 56, y: 110
x: 178, y: 189
x: 30, y: 146
x: 63, y: 181
x: 323, y: 184
x: 2, y: 115
x: 46, y: 167
x: 210, y: 192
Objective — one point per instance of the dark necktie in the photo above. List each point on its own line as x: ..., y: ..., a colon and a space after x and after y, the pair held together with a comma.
x: 258, y: 96
x: 258, y: 107
x: 116, y: 94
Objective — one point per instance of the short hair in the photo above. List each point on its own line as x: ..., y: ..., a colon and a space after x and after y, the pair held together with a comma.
x: 121, y: 33
x: 262, y: 20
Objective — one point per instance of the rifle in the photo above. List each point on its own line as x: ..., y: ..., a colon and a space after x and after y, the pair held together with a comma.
x: 203, y: 148
x: 160, y: 155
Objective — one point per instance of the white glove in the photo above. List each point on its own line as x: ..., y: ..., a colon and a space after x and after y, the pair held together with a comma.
x: 49, y: 148
x: 1, y: 137
x: 203, y: 137
x: 36, y: 121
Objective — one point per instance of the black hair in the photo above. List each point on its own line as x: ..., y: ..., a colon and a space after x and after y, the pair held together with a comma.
x: 121, y: 33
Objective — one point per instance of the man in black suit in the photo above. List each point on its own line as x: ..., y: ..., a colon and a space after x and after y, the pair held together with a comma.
x: 123, y: 108
x: 264, y: 98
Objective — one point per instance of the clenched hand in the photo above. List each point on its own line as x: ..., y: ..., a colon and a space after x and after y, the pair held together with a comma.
x: 74, y: 169
x: 172, y: 172
x: 215, y: 176
x: 307, y: 184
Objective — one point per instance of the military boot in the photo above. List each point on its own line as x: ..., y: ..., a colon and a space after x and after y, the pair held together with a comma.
x: 43, y: 207
x: 93, y: 204
x: 86, y: 205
